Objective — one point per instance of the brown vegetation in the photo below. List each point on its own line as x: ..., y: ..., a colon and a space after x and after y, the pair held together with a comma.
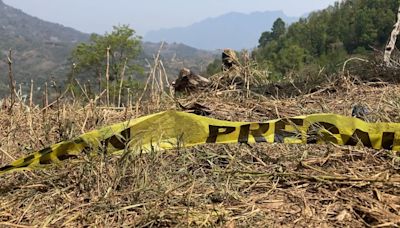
x: 225, y: 185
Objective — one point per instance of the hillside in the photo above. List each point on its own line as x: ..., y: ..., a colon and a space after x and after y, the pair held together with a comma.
x: 177, y: 55
x: 328, y: 37
x: 41, y: 50
x: 223, y: 31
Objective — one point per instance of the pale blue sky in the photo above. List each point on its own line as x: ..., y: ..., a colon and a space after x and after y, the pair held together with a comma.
x: 100, y: 15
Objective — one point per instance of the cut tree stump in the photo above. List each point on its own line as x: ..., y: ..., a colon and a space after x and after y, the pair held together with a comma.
x: 187, y: 81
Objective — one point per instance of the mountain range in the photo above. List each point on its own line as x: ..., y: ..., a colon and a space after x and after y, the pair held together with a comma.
x: 41, y: 49
x: 232, y: 30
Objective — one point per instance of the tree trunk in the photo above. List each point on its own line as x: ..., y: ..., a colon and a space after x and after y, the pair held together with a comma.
x: 11, y: 78
x: 392, y: 42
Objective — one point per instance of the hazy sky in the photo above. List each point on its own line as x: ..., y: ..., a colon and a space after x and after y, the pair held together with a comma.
x: 100, y: 15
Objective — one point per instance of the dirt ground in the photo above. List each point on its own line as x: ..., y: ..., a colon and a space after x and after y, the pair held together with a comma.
x: 261, y: 185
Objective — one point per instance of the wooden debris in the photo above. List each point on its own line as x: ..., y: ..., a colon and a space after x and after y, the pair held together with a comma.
x: 196, y: 108
x: 188, y: 81
x: 229, y: 59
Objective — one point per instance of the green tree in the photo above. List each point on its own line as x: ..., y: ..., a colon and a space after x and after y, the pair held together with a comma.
x: 265, y: 38
x: 214, y: 67
x: 278, y: 29
x: 291, y: 58
x: 327, y: 37
x: 124, y: 47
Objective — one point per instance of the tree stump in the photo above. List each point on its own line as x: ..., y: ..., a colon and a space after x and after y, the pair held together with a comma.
x: 187, y: 81
x: 229, y: 60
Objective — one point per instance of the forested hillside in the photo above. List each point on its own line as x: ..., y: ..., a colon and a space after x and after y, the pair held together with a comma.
x: 42, y: 50
x: 327, y: 37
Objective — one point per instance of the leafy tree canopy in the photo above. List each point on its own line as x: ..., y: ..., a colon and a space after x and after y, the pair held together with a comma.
x: 124, y: 47
x: 328, y: 37
x: 278, y: 29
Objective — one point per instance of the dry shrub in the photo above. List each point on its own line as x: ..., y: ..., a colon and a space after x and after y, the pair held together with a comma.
x: 211, y: 185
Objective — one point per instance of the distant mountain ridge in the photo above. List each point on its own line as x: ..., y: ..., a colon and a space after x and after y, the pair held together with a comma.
x: 176, y: 56
x: 232, y: 30
x: 41, y: 50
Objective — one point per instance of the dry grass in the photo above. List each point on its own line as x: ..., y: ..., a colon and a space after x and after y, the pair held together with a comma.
x: 211, y: 186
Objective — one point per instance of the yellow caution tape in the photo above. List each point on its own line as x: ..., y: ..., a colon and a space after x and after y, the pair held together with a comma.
x: 168, y: 129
